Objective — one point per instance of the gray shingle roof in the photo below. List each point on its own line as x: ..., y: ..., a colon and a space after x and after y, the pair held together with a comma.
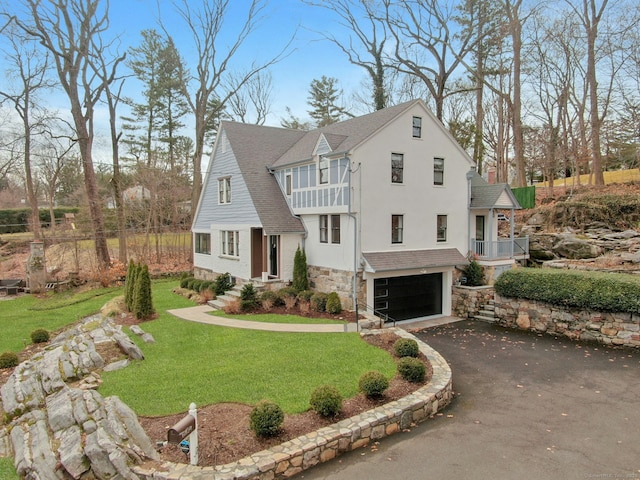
x: 412, y: 259
x: 486, y: 195
x: 255, y: 148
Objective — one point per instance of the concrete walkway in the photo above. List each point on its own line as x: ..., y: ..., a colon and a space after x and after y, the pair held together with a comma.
x: 201, y: 314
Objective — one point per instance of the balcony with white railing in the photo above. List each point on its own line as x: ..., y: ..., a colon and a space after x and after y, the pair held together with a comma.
x: 504, y: 248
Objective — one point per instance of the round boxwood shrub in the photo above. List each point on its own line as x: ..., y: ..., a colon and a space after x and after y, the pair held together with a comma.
x: 305, y: 295
x: 406, y: 347
x: 266, y: 419
x: 333, y: 305
x: 319, y: 301
x: 39, y: 335
x: 326, y: 400
x: 8, y: 360
x: 411, y: 369
x: 373, y: 384
x: 287, y: 292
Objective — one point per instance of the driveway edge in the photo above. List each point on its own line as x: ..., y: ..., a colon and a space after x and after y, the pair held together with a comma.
x: 299, y: 454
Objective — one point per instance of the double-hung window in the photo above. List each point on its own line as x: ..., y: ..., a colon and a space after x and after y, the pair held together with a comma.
x: 417, y: 127
x: 397, y: 224
x: 230, y: 243
x: 323, y: 167
x: 397, y: 168
x: 287, y: 183
x: 438, y: 171
x: 224, y: 190
x: 203, y: 243
x: 442, y: 228
x: 324, y: 228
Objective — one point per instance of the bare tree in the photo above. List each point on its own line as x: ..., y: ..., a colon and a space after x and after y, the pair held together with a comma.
x: 214, y: 64
x: 68, y: 30
x: 365, y: 47
x: 252, y: 99
x: 28, y: 68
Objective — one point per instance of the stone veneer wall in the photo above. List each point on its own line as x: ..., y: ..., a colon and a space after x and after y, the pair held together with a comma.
x: 330, y: 280
x: 467, y: 301
x: 304, y: 452
x: 609, y: 328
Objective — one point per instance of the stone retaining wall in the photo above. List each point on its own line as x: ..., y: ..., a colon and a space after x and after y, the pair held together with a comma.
x: 466, y: 301
x: 304, y: 452
x: 609, y: 328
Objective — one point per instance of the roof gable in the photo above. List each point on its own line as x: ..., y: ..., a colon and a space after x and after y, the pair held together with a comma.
x: 491, y: 195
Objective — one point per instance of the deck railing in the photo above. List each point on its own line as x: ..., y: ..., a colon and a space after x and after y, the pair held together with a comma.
x: 503, y: 248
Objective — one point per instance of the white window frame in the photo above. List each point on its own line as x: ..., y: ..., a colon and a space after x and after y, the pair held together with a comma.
x: 441, y: 228
x: 323, y: 170
x: 438, y: 171
x: 416, y: 127
x: 230, y: 243
x: 202, y: 243
x: 323, y: 223
x: 335, y: 228
x: 397, y: 168
x: 224, y: 190
x: 288, y: 183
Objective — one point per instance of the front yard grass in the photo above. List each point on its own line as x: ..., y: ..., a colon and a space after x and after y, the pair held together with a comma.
x: 275, y: 318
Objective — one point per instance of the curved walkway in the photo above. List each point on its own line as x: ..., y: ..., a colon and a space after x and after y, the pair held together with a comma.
x: 201, y: 314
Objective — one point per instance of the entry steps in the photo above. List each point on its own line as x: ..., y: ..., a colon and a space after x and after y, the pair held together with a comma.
x: 232, y: 295
x: 487, y: 313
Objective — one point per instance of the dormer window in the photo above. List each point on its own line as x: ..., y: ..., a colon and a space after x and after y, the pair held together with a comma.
x: 323, y: 169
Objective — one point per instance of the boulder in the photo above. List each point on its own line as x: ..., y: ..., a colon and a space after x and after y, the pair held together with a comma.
x: 574, y: 248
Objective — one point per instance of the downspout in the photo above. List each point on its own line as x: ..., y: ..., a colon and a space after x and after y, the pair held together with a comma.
x: 354, y: 286
x: 469, y: 177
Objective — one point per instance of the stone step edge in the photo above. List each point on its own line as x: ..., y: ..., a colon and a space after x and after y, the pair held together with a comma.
x: 302, y: 453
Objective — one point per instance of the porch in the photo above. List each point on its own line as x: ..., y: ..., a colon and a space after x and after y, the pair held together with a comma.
x: 503, y: 248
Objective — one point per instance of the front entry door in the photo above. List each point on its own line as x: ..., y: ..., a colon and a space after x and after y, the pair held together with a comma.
x: 274, y: 241
x: 256, y: 253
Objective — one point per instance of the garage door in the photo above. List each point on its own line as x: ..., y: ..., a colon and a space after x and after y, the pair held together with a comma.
x: 402, y: 298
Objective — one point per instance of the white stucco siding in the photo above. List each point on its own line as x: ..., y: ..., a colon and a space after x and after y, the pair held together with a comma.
x: 417, y: 198
x: 338, y: 256
x: 288, y: 246
x: 238, y: 266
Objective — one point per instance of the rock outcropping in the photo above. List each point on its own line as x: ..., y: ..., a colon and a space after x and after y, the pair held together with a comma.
x: 58, y: 431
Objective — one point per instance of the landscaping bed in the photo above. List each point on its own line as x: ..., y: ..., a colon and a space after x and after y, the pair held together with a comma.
x: 224, y: 433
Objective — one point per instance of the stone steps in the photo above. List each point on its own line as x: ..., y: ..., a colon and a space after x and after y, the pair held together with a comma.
x: 229, y: 296
x: 486, y: 313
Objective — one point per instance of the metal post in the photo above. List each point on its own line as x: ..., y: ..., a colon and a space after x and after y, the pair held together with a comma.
x: 193, y: 437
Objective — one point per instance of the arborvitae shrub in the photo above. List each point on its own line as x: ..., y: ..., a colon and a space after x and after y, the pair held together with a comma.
x: 411, y: 369
x: 300, y: 280
x: 305, y: 295
x: 474, y: 273
x: 223, y: 283
x: 373, y: 384
x: 129, y: 285
x: 333, y: 305
x: 143, y: 303
x: 8, y: 360
x: 39, y: 335
x: 266, y: 419
x: 319, y: 301
x: 326, y: 400
x: 406, y: 347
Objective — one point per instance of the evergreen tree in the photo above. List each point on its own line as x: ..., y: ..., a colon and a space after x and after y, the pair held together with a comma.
x: 143, y: 308
x: 129, y: 283
x: 300, y: 280
x: 323, y: 97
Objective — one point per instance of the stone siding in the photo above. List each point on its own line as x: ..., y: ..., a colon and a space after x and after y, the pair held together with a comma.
x: 609, y: 328
x: 295, y: 456
x: 323, y: 279
x: 467, y: 301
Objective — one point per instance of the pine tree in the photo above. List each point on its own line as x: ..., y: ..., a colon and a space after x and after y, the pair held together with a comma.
x: 300, y: 280
x: 323, y: 95
x: 143, y: 301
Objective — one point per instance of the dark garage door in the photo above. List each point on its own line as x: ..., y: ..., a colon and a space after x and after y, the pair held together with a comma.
x: 413, y: 296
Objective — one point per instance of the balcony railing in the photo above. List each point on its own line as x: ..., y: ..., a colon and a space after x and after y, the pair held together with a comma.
x: 499, y: 249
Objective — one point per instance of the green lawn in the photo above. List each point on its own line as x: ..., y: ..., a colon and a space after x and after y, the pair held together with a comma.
x: 274, y: 318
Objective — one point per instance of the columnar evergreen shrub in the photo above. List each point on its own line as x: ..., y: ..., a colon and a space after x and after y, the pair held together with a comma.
x: 266, y: 419
x: 326, y: 400
x: 300, y: 278
x: 129, y: 285
x: 411, y: 369
x: 333, y: 305
x: 39, y: 335
x: 143, y: 303
x: 8, y: 360
x: 406, y: 347
x: 373, y: 384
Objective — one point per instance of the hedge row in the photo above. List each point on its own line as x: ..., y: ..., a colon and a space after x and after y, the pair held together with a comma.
x: 608, y: 292
x: 16, y: 220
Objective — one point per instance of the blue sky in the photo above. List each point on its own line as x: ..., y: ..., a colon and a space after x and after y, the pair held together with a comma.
x: 311, y: 56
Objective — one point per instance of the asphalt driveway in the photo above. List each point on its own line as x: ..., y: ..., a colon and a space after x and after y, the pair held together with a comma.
x: 527, y: 406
